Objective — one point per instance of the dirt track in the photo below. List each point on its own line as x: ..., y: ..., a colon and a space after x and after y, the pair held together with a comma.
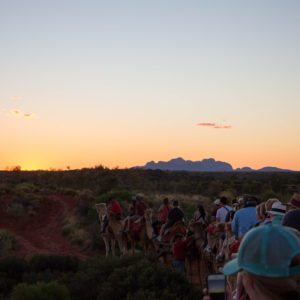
x: 42, y: 232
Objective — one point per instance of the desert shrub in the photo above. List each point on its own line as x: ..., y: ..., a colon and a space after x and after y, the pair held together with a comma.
x: 5, y: 189
x: 269, y: 194
x: 129, y: 278
x: 40, y: 263
x: 11, y: 273
x: 26, y: 187
x: 86, y: 200
x: 41, y: 291
x: 7, y: 242
x: 67, y: 191
x: 79, y: 237
x: 23, y: 203
x: 15, y: 209
x: 122, y: 196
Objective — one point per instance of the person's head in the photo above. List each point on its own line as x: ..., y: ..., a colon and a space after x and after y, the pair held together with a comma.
x: 235, y: 206
x: 249, y: 200
x: 294, y: 202
x: 133, y: 200
x: 139, y: 197
x: 292, y: 219
x: 223, y: 200
x: 261, y: 211
x: 201, y: 210
x: 265, y: 264
x: 240, y: 201
x: 270, y: 202
x: 217, y: 203
x: 264, y: 288
x: 175, y: 203
x: 166, y: 201
x: 277, y: 209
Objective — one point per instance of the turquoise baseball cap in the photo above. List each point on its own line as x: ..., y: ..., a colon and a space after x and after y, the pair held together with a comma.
x: 268, y: 251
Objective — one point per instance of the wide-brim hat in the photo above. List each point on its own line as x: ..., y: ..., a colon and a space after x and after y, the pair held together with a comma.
x: 278, y: 209
x: 217, y: 202
x: 295, y: 201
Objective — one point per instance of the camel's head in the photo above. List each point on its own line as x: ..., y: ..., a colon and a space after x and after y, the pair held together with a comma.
x: 101, y: 209
x: 148, y: 214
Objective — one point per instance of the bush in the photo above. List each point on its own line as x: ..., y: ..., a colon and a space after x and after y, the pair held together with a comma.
x: 26, y: 187
x: 41, y: 291
x: 23, y: 203
x: 40, y: 263
x: 129, y: 278
x: 7, y: 242
x: 15, y: 209
x: 86, y: 200
x: 11, y: 273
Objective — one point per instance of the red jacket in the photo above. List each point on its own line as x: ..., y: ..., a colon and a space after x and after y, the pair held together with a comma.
x: 163, y: 213
x: 115, y: 207
x: 179, y: 248
x: 140, y: 208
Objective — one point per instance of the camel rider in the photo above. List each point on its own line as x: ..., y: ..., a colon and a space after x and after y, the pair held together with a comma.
x: 141, y: 205
x: 163, y: 211
x: 200, y: 215
x: 175, y: 215
x: 136, y: 211
x: 113, y: 208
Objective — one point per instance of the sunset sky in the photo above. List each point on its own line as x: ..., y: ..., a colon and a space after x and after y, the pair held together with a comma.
x: 120, y: 83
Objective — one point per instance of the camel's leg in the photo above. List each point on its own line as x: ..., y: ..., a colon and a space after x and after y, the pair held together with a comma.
x: 106, y: 243
x: 124, y: 245
x: 199, y: 272
x: 120, y: 245
x: 113, y: 247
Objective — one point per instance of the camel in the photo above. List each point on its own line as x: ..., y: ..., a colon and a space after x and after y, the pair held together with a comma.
x: 164, y: 246
x: 113, y: 231
x: 141, y: 231
x: 200, y: 241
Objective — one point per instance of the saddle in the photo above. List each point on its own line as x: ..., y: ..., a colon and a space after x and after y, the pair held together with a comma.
x: 135, y: 227
x: 177, y: 228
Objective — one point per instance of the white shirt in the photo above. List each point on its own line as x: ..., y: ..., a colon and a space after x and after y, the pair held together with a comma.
x: 222, y: 213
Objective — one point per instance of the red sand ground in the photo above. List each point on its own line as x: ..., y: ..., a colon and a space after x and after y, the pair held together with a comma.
x: 42, y: 232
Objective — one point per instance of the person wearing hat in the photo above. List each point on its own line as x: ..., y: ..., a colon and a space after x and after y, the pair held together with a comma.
x: 269, y: 258
x: 277, y: 212
x: 294, y: 203
x: 292, y: 219
x: 245, y: 217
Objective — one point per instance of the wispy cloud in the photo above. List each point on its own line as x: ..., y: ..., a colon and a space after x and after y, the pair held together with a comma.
x: 20, y: 114
x: 222, y: 127
x: 214, y: 125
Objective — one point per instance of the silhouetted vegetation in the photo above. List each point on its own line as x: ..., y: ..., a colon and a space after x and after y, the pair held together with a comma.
x: 101, y: 180
x: 99, y: 278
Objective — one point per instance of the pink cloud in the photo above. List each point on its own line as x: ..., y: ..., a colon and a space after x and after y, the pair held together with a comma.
x: 207, y: 124
x: 214, y: 125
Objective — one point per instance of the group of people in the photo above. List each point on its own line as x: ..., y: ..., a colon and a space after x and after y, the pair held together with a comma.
x: 167, y: 214
x: 267, y: 261
x: 265, y: 237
